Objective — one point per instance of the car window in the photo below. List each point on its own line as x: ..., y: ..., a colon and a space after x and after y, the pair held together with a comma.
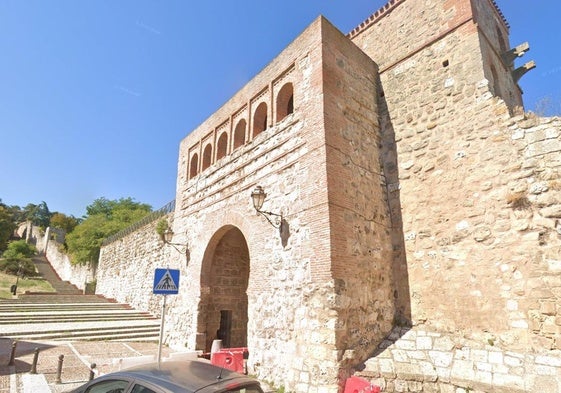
x: 141, y: 389
x: 109, y: 386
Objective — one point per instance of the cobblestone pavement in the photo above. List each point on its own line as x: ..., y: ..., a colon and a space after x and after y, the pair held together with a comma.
x: 78, y: 356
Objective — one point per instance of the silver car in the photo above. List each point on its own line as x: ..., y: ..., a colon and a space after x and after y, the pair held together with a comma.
x: 172, y: 377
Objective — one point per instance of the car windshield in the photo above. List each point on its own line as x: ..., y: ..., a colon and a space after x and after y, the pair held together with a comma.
x: 110, y: 386
x: 246, y: 389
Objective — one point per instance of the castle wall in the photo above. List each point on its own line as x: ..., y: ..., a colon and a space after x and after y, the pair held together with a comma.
x: 127, y: 265
x: 409, y: 194
x: 459, y: 160
x: 359, y: 219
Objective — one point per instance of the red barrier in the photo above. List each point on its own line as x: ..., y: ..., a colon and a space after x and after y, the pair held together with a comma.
x: 360, y: 385
x: 231, y: 359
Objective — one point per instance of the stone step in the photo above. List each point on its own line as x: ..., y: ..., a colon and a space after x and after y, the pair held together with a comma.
x: 56, y: 298
x: 23, y: 307
x: 78, y: 330
x: 66, y: 318
x: 146, y: 334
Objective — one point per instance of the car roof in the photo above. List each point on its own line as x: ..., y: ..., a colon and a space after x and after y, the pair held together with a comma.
x: 186, y: 376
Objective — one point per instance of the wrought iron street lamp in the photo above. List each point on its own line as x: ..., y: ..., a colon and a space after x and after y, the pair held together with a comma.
x: 181, y: 248
x: 258, y: 196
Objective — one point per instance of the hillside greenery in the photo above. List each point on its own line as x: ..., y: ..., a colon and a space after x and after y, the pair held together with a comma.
x: 104, y: 218
x: 83, y: 235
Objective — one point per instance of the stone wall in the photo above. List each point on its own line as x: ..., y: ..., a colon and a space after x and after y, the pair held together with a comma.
x: 409, y: 195
x: 79, y: 275
x: 416, y: 360
x: 309, y: 165
x: 51, y: 244
x: 127, y: 266
x: 474, y: 190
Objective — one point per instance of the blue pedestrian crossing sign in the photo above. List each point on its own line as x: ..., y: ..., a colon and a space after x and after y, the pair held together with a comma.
x: 166, y: 282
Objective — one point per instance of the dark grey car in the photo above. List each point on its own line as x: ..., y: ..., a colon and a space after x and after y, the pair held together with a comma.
x: 172, y: 377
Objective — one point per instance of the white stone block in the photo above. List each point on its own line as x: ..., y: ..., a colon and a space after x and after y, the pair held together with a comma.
x: 519, y: 323
x: 462, y: 225
x: 511, y: 305
x: 548, y: 361
x: 399, y: 355
x: 484, y: 377
x: 546, y: 370
x: 463, y: 369
x: 508, y: 380
x: 512, y: 361
x: 386, y: 366
x: 424, y: 343
x: 418, y: 355
x: 480, y: 355
x: 441, y: 359
x: 405, y: 344
x: 496, y: 357
x: 482, y: 366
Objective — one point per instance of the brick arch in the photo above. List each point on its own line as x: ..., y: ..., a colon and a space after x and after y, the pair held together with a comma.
x: 239, y: 134
x: 207, y: 156
x: 285, y: 101
x: 224, y: 283
x: 222, y: 146
x: 260, y: 119
x: 194, y: 166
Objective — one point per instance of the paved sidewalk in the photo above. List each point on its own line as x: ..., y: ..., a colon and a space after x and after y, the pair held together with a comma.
x: 78, y: 356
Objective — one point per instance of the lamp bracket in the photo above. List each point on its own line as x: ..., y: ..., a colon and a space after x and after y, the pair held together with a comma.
x: 274, y: 219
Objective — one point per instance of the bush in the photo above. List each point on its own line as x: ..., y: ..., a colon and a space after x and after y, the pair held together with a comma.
x: 25, y: 267
x: 19, y: 250
x: 17, y: 258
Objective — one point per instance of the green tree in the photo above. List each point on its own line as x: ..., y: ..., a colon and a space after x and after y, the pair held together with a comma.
x: 38, y: 214
x: 7, y: 226
x: 64, y: 222
x: 17, y: 258
x: 104, y: 218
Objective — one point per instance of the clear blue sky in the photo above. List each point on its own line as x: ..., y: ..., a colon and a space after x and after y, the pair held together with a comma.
x: 95, y: 96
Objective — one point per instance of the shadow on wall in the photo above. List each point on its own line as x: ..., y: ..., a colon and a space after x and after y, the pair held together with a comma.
x: 400, y: 275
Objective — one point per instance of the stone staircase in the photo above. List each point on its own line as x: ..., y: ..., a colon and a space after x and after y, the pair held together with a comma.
x: 70, y: 315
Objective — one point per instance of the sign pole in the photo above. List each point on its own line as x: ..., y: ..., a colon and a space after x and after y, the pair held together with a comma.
x: 161, y: 331
x: 166, y: 282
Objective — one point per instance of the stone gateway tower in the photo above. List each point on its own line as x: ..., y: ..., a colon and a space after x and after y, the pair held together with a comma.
x: 410, y: 231
x: 298, y: 292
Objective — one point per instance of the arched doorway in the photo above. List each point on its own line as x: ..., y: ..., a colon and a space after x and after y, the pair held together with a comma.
x: 224, y: 280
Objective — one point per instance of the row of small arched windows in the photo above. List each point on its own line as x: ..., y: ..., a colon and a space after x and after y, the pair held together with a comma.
x: 284, y: 107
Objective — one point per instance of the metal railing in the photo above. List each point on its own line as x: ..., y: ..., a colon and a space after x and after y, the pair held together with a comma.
x: 168, y: 208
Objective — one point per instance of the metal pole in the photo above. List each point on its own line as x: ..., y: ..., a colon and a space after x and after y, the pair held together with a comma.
x: 92, y: 370
x: 13, y: 354
x: 34, y: 364
x: 161, y: 331
x: 59, y: 369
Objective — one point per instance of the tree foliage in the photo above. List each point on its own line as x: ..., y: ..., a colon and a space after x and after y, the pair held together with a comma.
x: 64, y: 222
x: 104, y: 218
x: 7, y: 226
x: 38, y: 214
x: 17, y: 258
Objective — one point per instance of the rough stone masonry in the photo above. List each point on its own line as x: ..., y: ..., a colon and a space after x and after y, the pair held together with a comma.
x: 417, y: 235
